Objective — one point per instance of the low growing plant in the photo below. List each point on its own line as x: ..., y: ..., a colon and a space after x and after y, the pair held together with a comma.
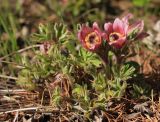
x: 84, y: 75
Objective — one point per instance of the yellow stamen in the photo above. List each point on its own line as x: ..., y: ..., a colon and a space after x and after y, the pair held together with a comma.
x: 92, y: 39
x: 115, y: 36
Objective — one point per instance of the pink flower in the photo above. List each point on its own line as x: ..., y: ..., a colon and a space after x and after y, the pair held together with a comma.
x: 91, y: 38
x: 118, y: 33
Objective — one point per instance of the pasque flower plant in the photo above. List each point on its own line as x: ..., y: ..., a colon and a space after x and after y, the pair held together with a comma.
x: 112, y: 45
x: 85, y: 78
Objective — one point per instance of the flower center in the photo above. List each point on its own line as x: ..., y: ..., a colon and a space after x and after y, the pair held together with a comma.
x: 114, y: 36
x: 92, y: 39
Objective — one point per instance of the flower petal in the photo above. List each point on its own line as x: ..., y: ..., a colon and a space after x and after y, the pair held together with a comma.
x: 136, y: 27
x: 126, y: 18
x: 118, y: 43
x: 118, y: 26
x: 108, y: 27
x: 126, y: 23
x: 83, y: 32
x: 141, y: 35
x: 79, y: 35
x: 95, y: 26
x: 97, y: 29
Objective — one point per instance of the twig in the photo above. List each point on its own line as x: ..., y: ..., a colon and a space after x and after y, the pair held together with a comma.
x: 16, y: 117
x: 12, y: 91
x: 22, y: 109
x: 79, y: 108
x: 20, y: 51
x: 35, y: 108
x: 8, y: 77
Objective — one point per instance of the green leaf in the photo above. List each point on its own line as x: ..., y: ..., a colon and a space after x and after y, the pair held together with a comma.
x: 99, y: 83
x: 125, y: 72
x: 51, y: 32
x: 88, y: 58
x: 81, y: 92
x: 133, y: 64
x: 56, y: 96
